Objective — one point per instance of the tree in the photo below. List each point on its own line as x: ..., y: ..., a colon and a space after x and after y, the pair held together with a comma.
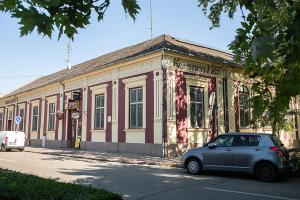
x: 67, y: 16
x: 268, y: 45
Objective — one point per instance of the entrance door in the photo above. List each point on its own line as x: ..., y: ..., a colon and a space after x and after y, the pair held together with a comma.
x: 9, y: 123
x: 74, y: 132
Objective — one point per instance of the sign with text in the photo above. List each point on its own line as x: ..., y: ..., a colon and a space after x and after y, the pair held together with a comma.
x: 198, y: 68
x: 73, y: 105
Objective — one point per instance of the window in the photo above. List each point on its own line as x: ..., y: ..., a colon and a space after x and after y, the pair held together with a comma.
x: 244, y: 109
x: 197, y: 107
x: 21, y: 125
x: 246, y: 140
x: 35, y: 116
x: 51, y: 117
x: 99, y: 112
x: 1, y: 121
x: 136, y: 108
x: 10, y: 114
x: 224, y: 141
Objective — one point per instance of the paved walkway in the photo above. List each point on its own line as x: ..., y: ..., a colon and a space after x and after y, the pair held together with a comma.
x: 111, y: 157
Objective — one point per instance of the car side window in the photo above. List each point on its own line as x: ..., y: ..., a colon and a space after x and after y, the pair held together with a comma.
x: 246, y: 140
x: 224, y: 141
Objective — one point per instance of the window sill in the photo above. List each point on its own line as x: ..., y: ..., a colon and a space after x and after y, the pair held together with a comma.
x: 52, y: 131
x: 135, y: 130
x: 197, y: 129
x: 95, y: 131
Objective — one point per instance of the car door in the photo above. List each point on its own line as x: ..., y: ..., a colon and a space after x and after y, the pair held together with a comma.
x: 218, y: 156
x: 244, y: 149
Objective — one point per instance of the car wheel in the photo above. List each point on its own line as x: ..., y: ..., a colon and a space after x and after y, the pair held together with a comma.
x: 193, y: 166
x: 2, y: 147
x: 266, y: 172
x: 21, y: 149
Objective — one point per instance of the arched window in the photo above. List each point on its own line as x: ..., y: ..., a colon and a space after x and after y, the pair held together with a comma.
x: 244, y: 109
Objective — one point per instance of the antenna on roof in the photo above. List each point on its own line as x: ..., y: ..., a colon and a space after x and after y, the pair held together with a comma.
x: 69, y: 54
x: 151, y: 19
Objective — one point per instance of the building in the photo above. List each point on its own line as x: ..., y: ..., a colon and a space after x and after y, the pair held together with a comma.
x: 157, y: 97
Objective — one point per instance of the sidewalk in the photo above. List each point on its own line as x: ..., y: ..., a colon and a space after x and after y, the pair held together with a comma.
x: 110, y: 157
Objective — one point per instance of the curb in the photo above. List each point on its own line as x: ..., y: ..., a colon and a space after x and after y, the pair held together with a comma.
x: 126, y: 161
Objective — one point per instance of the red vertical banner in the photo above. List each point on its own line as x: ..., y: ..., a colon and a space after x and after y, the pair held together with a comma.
x: 236, y: 106
x: 181, y: 108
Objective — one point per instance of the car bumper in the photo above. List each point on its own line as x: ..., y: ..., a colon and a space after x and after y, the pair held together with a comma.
x: 14, y: 147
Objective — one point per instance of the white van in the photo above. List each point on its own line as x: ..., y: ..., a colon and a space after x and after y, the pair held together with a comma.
x: 12, y: 140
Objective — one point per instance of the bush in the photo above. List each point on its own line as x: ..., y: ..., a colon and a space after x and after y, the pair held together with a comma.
x: 295, y: 157
x: 17, y: 186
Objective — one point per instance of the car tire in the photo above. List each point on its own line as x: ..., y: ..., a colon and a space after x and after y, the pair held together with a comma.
x: 21, y: 149
x: 193, y: 166
x: 266, y: 172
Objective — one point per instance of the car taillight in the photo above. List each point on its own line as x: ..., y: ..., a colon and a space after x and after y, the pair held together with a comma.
x: 6, y: 140
x: 277, y: 150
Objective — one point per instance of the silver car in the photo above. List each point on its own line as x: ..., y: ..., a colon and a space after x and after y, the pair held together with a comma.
x: 260, y: 154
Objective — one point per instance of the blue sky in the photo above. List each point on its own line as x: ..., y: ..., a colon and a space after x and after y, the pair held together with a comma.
x: 23, y: 59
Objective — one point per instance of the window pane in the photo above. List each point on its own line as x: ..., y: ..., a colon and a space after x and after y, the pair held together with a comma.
x: 102, y: 118
x: 140, y: 115
x: 224, y: 141
x: 133, y: 115
x: 132, y: 95
x: 192, y: 94
x: 193, y: 115
x: 140, y: 95
x: 97, y: 101
x: 199, y: 97
x: 200, y: 115
x: 101, y: 99
x: 35, y: 110
x: 97, y: 119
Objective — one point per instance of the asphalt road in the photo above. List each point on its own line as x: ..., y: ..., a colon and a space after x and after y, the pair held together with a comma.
x: 150, y: 182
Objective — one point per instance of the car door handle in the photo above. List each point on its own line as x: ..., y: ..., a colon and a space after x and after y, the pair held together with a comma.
x: 229, y: 150
x: 257, y: 149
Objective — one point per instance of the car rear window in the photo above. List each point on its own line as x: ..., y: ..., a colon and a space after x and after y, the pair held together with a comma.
x: 246, y: 140
x: 276, y: 141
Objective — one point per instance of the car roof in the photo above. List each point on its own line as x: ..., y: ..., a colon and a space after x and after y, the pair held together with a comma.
x: 239, y: 133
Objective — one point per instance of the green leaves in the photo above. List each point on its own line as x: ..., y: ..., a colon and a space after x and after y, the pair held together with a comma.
x: 65, y: 16
x: 268, y: 43
x: 131, y: 7
x: 262, y: 48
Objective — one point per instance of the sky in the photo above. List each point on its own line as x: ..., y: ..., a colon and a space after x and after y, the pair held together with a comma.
x: 23, y: 59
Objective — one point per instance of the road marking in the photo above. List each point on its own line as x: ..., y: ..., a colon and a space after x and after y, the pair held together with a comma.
x: 7, y: 160
x: 253, y: 194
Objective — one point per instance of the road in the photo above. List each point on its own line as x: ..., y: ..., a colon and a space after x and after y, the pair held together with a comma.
x: 150, y: 182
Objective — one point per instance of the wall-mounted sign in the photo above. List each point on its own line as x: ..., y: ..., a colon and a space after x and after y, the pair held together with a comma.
x: 72, y: 105
x: 75, y: 115
x: 11, y: 101
x: 18, y: 120
x: 198, y: 68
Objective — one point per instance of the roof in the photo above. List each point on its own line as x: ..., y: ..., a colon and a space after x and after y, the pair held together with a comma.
x: 166, y: 42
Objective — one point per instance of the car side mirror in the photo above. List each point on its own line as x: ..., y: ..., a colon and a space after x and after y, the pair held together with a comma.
x: 212, y: 145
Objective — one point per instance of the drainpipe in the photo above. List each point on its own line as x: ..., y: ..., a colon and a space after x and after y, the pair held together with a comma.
x: 63, y: 110
x: 225, y: 101
x: 163, y: 103
x: 16, y: 112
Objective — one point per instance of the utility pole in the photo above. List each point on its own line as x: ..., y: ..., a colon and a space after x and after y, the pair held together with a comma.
x: 69, y: 54
x: 151, y: 20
